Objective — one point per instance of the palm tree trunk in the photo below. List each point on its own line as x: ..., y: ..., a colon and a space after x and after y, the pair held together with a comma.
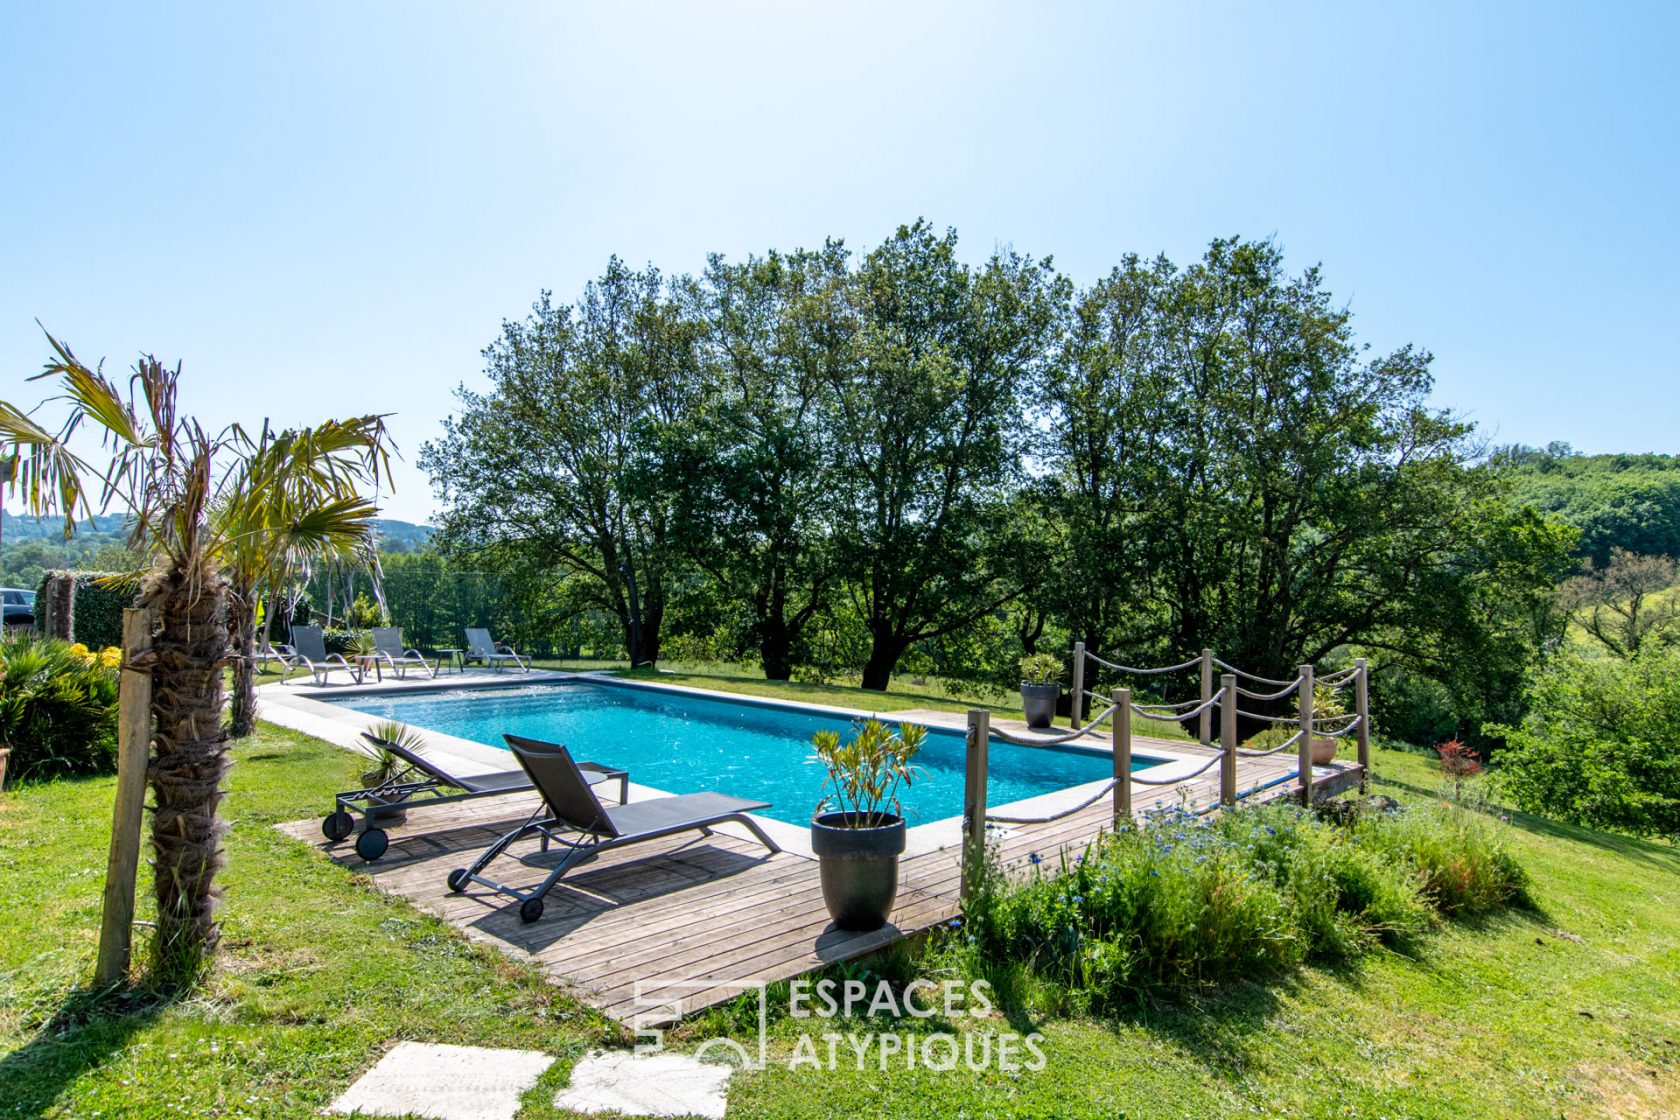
x: 189, y: 599
x: 242, y: 629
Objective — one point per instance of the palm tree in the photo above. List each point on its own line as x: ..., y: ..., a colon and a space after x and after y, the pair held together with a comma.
x: 294, y: 501
x: 164, y: 472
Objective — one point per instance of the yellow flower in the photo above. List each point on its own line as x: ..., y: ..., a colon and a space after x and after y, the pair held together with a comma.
x: 79, y: 650
x: 110, y: 657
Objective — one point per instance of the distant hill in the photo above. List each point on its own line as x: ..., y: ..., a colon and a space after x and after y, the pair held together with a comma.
x: 1617, y: 501
x: 402, y: 536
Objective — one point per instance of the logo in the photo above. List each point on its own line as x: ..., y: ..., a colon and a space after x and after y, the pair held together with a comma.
x: 823, y: 1003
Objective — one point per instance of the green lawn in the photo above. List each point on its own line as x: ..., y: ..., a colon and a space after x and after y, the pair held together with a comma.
x: 1573, y: 1010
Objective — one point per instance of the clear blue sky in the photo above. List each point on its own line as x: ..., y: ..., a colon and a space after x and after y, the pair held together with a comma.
x: 328, y: 209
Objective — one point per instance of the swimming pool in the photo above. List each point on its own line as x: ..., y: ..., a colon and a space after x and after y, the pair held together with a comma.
x: 684, y: 744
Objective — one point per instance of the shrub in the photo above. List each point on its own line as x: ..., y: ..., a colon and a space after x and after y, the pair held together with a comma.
x: 1601, y: 745
x: 1462, y: 861
x: 1187, y: 900
x: 95, y: 606
x: 1041, y: 668
x: 58, y: 707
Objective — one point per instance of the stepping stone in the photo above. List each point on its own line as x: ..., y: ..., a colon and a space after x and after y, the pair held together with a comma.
x: 445, y: 1082
x: 646, y: 1085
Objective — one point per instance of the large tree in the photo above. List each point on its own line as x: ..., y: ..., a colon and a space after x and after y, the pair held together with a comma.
x: 1261, y: 484
x: 554, y: 471
x: 930, y: 433
x: 754, y: 472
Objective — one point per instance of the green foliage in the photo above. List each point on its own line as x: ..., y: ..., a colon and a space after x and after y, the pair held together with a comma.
x: 363, y: 613
x: 1463, y: 859
x: 58, y: 708
x: 1040, y: 668
x: 1187, y: 901
x: 96, y: 616
x: 1630, y: 502
x: 865, y: 774
x: 1601, y: 745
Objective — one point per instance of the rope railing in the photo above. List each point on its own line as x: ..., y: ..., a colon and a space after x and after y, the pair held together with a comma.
x: 1223, y: 752
x: 1050, y: 741
x: 1143, y: 672
x: 1278, y: 695
x: 1244, y: 752
x: 1353, y: 722
x: 1201, y: 706
x: 1252, y: 676
x: 1204, y: 768
x: 1107, y: 788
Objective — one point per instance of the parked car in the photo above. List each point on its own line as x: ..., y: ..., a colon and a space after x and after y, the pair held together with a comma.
x: 17, y: 606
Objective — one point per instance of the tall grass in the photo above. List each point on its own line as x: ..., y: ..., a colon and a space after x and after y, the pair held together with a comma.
x: 1184, y: 901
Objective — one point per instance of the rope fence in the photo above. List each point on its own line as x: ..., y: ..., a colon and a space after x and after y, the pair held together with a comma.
x: 1221, y: 699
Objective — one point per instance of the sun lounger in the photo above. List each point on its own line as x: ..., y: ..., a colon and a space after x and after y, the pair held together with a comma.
x: 310, y: 648
x: 574, y: 819
x: 425, y: 782
x: 480, y: 647
x: 388, y: 645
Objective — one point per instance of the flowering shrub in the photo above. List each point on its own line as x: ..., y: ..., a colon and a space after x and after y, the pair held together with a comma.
x: 58, y: 707
x: 1185, y: 900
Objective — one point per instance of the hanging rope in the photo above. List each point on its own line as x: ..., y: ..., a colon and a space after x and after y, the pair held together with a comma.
x: 1278, y: 695
x: 1172, y: 709
x: 1287, y: 743
x: 1143, y: 672
x: 1205, y: 767
x: 1336, y: 680
x: 1108, y: 787
x: 1244, y: 672
x: 1353, y: 722
x: 1052, y: 741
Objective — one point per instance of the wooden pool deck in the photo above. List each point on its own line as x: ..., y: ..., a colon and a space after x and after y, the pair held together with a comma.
x: 662, y: 929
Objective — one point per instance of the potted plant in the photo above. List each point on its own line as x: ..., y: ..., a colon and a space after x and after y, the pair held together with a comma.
x: 1039, y: 690
x: 388, y: 769
x: 1327, y: 709
x: 858, y: 841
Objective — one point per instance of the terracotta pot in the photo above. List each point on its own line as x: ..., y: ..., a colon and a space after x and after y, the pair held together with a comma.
x: 1323, y: 751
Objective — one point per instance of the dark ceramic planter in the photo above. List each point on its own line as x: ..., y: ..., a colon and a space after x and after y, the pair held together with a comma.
x: 1038, y: 702
x: 859, y: 868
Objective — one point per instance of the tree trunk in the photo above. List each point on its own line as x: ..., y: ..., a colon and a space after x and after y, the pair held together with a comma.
x: 884, y: 651
x: 242, y: 630
x: 189, y: 761
x: 775, y: 649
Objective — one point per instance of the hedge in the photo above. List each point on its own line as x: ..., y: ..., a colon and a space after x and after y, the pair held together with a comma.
x: 95, y: 610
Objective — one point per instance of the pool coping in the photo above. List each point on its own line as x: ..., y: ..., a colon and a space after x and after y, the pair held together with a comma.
x: 287, y: 706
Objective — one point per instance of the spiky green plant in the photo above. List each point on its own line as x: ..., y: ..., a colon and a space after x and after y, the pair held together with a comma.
x: 865, y: 775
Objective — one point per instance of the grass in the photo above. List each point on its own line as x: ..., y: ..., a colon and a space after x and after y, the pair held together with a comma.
x: 1571, y: 1009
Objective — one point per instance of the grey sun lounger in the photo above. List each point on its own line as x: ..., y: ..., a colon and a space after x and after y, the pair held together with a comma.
x: 388, y: 644
x: 309, y: 648
x: 573, y: 818
x: 427, y: 783
x: 480, y: 647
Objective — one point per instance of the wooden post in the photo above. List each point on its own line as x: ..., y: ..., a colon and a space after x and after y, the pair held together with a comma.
x: 1204, y: 726
x: 974, y: 801
x: 1305, y: 746
x: 1362, y: 709
x: 1077, y: 708
x: 1228, y: 739
x: 134, y: 748
x: 1121, y: 728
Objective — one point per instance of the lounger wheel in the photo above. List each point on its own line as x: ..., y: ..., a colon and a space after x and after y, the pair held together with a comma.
x: 458, y: 880
x: 530, y: 910
x: 337, y: 825
x: 371, y: 844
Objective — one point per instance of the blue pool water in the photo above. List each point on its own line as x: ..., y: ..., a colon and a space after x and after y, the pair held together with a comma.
x: 686, y: 744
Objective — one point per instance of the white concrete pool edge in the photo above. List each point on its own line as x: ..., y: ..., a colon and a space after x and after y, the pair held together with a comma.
x: 289, y: 706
